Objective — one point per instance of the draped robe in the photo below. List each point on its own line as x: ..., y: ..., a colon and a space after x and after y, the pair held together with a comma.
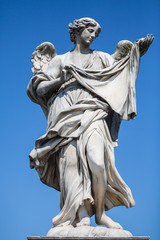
x: 96, y: 98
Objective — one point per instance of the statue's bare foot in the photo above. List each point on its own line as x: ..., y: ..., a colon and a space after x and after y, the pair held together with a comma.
x: 84, y: 222
x: 107, y: 221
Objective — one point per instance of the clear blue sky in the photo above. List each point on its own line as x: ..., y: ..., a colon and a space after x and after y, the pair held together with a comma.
x: 27, y: 206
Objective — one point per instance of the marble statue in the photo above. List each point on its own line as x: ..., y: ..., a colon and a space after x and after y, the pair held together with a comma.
x: 85, y: 94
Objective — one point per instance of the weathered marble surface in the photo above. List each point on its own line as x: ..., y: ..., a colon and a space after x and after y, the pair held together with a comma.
x: 89, y: 238
x: 87, y: 231
x: 85, y: 94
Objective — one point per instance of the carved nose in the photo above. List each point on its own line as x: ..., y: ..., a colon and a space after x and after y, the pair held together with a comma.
x: 93, y: 35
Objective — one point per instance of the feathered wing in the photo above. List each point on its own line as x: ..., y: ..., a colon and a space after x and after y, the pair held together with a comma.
x: 41, y: 57
x: 122, y: 50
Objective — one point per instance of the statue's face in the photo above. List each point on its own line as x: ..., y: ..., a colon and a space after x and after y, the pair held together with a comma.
x: 88, y: 35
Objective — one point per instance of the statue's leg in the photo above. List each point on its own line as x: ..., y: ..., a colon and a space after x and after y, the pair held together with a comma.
x: 71, y: 171
x: 95, y: 156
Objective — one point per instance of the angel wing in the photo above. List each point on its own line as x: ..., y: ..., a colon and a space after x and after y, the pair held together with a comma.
x: 122, y: 50
x: 42, y: 56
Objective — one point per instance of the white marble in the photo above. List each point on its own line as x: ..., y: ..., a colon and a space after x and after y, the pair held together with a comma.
x: 85, y: 94
x: 87, y: 231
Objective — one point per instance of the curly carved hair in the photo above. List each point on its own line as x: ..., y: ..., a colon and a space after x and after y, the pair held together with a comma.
x: 80, y: 24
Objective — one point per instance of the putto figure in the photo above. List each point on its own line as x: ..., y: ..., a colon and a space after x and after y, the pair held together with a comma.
x: 84, y: 94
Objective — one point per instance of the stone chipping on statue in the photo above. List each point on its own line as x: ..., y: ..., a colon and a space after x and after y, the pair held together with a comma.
x: 85, y: 94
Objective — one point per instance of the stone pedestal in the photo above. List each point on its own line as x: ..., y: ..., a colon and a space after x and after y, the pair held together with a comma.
x: 87, y: 233
x: 87, y: 238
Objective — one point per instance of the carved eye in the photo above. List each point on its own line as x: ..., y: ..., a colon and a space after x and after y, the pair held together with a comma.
x: 90, y: 30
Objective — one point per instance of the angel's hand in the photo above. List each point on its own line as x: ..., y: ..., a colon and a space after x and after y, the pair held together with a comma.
x: 144, y: 44
x: 65, y: 75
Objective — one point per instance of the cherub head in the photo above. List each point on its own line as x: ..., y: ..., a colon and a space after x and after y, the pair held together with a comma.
x: 79, y: 25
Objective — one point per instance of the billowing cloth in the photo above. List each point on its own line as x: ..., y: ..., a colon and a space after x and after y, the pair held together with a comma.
x: 95, y: 99
x: 115, y: 84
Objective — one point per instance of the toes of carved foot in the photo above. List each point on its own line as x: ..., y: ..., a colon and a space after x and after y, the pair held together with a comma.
x: 117, y: 226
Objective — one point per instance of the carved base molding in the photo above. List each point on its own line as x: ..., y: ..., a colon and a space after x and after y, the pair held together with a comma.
x: 88, y: 238
x: 87, y: 233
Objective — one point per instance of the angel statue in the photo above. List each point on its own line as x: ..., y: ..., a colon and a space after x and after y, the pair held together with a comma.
x: 85, y: 94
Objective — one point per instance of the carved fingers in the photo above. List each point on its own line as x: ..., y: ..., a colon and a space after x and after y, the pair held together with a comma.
x: 144, y: 43
x: 65, y: 75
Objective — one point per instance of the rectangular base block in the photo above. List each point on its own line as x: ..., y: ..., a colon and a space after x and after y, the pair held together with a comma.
x: 88, y: 238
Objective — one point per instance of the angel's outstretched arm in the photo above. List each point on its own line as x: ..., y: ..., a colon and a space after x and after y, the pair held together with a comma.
x: 124, y: 47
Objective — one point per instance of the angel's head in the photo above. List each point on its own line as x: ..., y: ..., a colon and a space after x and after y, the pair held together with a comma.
x: 81, y: 24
